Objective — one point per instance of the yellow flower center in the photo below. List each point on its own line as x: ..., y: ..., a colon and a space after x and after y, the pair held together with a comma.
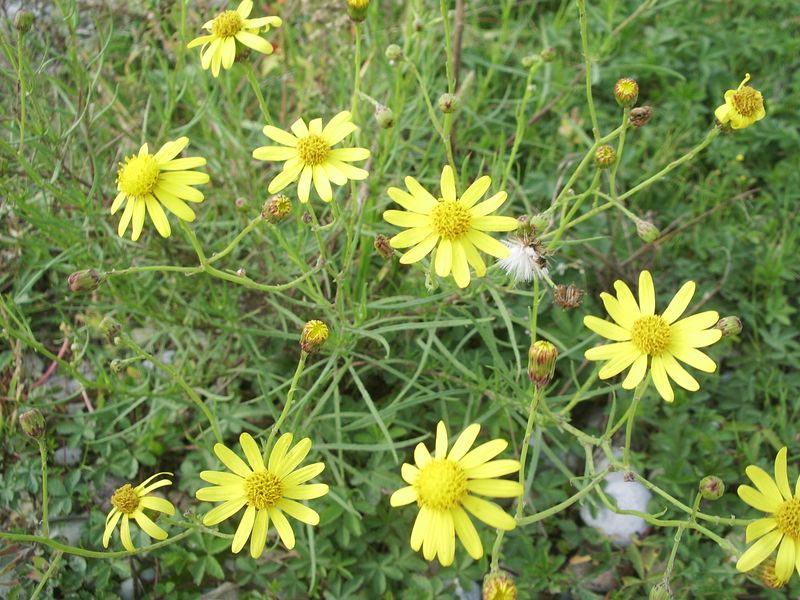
x: 227, y: 24
x: 748, y: 101
x: 125, y: 499
x: 313, y: 149
x: 138, y: 175
x: 651, y: 334
x: 263, y: 489
x: 501, y: 590
x: 450, y: 220
x: 788, y: 518
x: 441, y: 485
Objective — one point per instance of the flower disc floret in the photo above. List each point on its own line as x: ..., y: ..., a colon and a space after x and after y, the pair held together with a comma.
x: 125, y: 499
x: 788, y: 518
x: 263, y: 489
x: 450, y: 220
x: 651, y: 334
x: 441, y: 485
x: 227, y: 23
x: 313, y: 150
x: 743, y: 106
x: 138, y: 175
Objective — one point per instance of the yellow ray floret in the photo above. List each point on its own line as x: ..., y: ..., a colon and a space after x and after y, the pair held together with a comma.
x: 227, y: 28
x: 645, y: 340
x: 781, y: 528
x: 148, y: 181
x: 743, y: 106
x: 309, y: 156
x: 129, y: 502
x: 266, y: 491
x: 454, y: 225
x: 446, y: 486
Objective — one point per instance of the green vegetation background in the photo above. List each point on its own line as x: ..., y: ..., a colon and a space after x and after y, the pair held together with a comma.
x: 104, y: 77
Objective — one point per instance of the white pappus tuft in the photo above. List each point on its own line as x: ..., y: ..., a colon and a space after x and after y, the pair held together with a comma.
x: 526, y: 259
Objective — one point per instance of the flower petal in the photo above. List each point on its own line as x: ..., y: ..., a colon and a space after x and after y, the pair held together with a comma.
x: 293, y: 458
x: 411, y: 237
x: 244, y: 529
x: 221, y: 493
x: 403, y: 496
x: 441, y: 440
x: 695, y: 323
x: 221, y: 478
x: 299, y: 511
x: 274, y: 153
x: 607, y: 329
x: 223, y: 511
x: 447, y: 184
x: 636, y: 374
x: 613, y: 307
x: 693, y: 358
x: 764, y: 483
x: 303, y: 474
x: 306, y: 492
x: 476, y: 191
x: 421, y: 525
x: 626, y: 300
x: 321, y: 183
x: 483, y: 453
x: 760, y: 550
x: 231, y: 460
x: 280, y: 136
x: 282, y: 525
x: 251, y: 451
x: 647, y: 294
x: 464, y: 442
x: 494, y: 223
x: 489, y: 512
x: 110, y: 525
x: 255, y: 42
x: 125, y: 534
x: 781, y: 475
x: 259, y: 537
x: 160, y: 504
x: 416, y: 204
x: 467, y: 533
x: 444, y: 258
x: 419, y: 251
x: 678, y: 374
x: 679, y: 302
x: 157, y: 216
x: 487, y: 244
x: 460, y: 268
x: 497, y: 488
x: 494, y: 468
x: 759, y: 527
x: 660, y: 379
x: 149, y: 527
x: 350, y: 154
x: 421, y: 455
x: 403, y: 218
x: 758, y: 500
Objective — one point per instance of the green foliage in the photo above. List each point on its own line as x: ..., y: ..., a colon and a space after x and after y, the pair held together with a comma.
x: 102, y: 79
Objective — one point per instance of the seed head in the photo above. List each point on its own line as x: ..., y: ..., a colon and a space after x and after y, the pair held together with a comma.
x: 731, y: 325
x: 568, y: 296
x: 542, y: 362
x: 32, y: 423
x: 85, y: 281
x: 711, y: 487
x: 276, y: 209
x: 314, y: 334
x: 605, y: 156
x: 640, y: 116
x: 626, y: 91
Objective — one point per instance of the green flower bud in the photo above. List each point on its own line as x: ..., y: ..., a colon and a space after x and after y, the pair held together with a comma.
x: 23, y: 21
x: 542, y: 357
x: 110, y: 328
x: 276, y: 209
x: 394, y: 53
x: 605, y: 156
x: 626, y: 92
x: 660, y: 591
x: 385, y: 117
x: 357, y: 9
x: 85, y: 281
x: 647, y: 231
x: 548, y: 54
x: 711, y: 487
x: 731, y: 325
x: 448, y: 103
x: 32, y: 423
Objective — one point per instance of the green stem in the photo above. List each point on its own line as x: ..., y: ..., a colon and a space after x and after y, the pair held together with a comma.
x: 612, y: 180
x: 553, y: 510
x: 45, y: 498
x: 251, y: 77
x: 637, y: 396
x: 23, y: 537
x: 534, y: 309
x: 48, y: 574
x: 521, y: 121
x: 201, y: 256
x: 177, y: 378
x: 678, y: 535
x: 356, y: 73
x: 235, y: 242
x: 588, y: 65
x: 564, y: 225
x: 21, y: 76
x: 289, y: 398
x: 448, y: 47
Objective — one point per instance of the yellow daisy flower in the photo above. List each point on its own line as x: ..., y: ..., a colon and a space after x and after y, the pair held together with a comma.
x: 443, y: 486
x: 227, y: 28
x: 150, y: 180
x: 456, y: 224
x: 743, y: 106
x: 129, y: 502
x: 781, y: 529
x: 268, y: 491
x: 310, y: 156
x: 641, y: 335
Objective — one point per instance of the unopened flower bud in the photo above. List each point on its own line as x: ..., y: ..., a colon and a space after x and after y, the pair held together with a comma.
x: 540, y: 223
x: 548, y: 54
x: 542, y: 362
x: 85, y: 281
x: 626, y: 91
x: 32, y: 423
x: 711, y: 487
x: 276, y: 209
x: 117, y: 365
x: 419, y: 24
x: 499, y: 586
x: 660, y: 591
x: 605, y: 156
x: 23, y: 21
x: 385, y: 117
x: 766, y: 573
x: 568, y: 296
x: 110, y: 328
x: 357, y: 9
x: 731, y: 325
x: 640, y: 115
x: 240, y: 203
x: 314, y: 334
x: 448, y: 103
x: 530, y: 60
x: 383, y: 247
x: 394, y: 53
x: 648, y: 232
x: 307, y: 218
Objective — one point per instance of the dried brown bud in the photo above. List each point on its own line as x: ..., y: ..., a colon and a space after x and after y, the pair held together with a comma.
x: 568, y: 296
x: 640, y: 115
x: 85, y: 281
x: 383, y: 246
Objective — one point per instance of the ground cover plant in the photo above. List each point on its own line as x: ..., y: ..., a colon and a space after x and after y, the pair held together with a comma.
x: 329, y: 299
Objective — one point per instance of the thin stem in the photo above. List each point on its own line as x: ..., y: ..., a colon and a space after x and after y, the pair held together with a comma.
x: 289, y: 398
x: 23, y: 537
x: 588, y: 63
x: 637, y: 396
x: 251, y: 77
x: 21, y: 76
x: 678, y: 535
x: 571, y: 213
x: 177, y: 378
x: 45, y: 499
x: 520, y: 123
x: 534, y: 309
x: 201, y: 256
x: 48, y: 574
x: 553, y: 510
x: 612, y: 180
x: 448, y: 47
x: 356, y: 72
x: 235, y: 242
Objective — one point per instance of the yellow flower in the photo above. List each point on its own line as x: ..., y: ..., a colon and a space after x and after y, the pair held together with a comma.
x: 150, y: 180
x: 129, y: 502
x: 443, y: 486
x: 457, y: 224
x: 782, y: 526
x: 219, y: 48
x: 268, y: 491
x: 310, y: 156
x: 641, y: 334
x: 743, y: 106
